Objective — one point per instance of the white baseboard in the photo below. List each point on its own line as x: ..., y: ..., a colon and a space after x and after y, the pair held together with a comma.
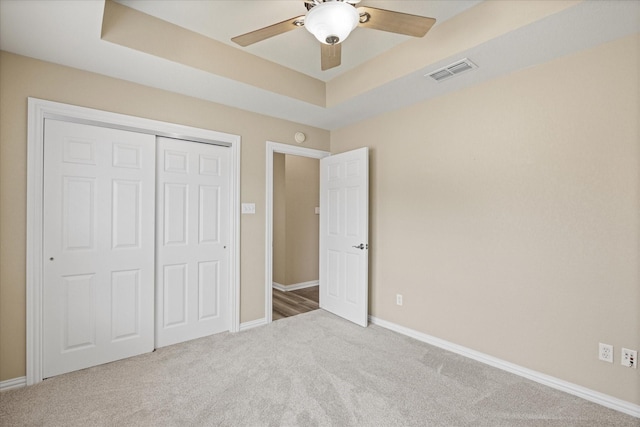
x: 13, y: 383
x: 556, y: 383
x: 295, y: 286
x: 253, y: 324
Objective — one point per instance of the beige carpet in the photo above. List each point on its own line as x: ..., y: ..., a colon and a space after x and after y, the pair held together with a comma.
x: 310, y: 370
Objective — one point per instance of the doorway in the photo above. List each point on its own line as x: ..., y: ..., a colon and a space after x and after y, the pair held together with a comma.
x: 344, y: 231
x: 300, y: 294
x: 296, y: 238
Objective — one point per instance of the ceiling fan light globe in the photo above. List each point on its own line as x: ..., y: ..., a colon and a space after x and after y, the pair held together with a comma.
x: 330, y: 20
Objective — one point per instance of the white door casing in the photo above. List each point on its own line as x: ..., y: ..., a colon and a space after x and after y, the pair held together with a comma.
x: 99, y: 202
x: 344, y: 232
x: 192, y: 239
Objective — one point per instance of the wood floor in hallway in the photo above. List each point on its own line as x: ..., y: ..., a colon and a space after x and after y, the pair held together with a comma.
x: 287, y: 304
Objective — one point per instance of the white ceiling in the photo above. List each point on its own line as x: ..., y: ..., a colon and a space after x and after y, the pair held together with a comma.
x: 68, y: 33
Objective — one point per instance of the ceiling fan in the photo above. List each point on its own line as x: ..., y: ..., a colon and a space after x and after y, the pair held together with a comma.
x: 331, y: 22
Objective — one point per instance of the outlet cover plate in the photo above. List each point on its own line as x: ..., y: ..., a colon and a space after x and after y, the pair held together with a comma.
x: 605, y: 352
x: 629, y: 358
x: 249, y: 208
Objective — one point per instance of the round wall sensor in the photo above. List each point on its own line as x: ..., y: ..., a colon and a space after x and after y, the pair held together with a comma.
x: 300, y: 137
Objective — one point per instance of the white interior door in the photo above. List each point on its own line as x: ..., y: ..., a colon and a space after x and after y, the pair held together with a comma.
x: 344, y: 234
x: 99, y: 202
x: 192, y: 239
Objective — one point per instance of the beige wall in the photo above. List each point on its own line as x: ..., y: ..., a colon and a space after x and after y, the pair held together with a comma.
x: 507, y: 214
x: 279, y: 267
x: 296, y: 194
x: 303, y: 195
x: 22, y: 77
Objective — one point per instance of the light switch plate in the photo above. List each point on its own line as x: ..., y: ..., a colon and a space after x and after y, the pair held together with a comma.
x: 317, y: 211
x: 248, y: 208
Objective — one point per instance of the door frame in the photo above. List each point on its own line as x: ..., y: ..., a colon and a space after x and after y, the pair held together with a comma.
x: 38, y: 110
x: 276, y: 147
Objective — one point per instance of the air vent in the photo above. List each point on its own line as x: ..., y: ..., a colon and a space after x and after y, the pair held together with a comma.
x: 451, y: 70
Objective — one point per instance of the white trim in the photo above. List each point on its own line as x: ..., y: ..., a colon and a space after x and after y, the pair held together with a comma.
x: 234, y: 234
x: 279, y: 287
x: 276, y: 147
x: 252, y: 324
x: 34, y: 267
x: 38, y: 110
x: 295, y: 286
x: 13, y: 383
x: 553, y: 382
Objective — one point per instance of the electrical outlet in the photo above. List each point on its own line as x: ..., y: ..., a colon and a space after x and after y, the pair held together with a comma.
x: 605, y: 352
x: 629, y: 358
x: 398, y: 299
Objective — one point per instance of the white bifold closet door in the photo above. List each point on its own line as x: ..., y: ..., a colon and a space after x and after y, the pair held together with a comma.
x: 192, y: 238
x: 99, y: 205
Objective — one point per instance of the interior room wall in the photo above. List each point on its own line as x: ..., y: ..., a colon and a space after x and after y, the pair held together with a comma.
x: 22, y: 77
x: 296, y: 194
x: 279, y: 272
x: 507, y: 215
x: 303, y: 225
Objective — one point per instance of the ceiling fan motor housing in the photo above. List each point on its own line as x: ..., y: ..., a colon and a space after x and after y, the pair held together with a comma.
x: 331, y: 22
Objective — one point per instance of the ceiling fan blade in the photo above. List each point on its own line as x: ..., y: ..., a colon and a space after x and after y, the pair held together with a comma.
x: 331, y: 56
x: 270, y: 31
x: 394, y: 22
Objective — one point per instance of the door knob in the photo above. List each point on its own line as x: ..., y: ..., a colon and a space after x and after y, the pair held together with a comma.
x: 361, y: 246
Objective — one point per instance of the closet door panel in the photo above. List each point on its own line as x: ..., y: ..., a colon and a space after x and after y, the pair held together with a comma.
x: 193, y: 233
x: 99, y: 241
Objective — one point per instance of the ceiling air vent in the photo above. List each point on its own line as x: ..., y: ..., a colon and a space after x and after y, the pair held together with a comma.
x: 452, y: 70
